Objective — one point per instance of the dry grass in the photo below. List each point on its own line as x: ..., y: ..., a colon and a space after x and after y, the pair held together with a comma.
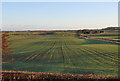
x: 36, y: 76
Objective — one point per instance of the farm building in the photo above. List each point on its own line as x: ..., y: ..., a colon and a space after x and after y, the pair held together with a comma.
x: 92, y: 31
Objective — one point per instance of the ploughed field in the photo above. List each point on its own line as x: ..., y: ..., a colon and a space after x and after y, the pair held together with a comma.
x: 62, y: 53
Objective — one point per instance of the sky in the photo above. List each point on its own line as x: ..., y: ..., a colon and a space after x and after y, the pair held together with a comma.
x: 58, y: 15
x: 59, y: 0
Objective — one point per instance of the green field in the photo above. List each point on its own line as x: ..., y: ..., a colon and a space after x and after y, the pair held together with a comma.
x: 62, y: 53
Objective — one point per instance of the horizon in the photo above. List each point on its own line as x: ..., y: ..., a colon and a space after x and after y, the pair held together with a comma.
x: 58, y: 15
x: 55, y: 29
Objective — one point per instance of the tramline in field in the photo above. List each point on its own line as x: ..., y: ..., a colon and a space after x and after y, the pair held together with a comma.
x: 61, y: 53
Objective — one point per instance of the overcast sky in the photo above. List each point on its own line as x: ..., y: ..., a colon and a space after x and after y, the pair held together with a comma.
x: 58, y: 15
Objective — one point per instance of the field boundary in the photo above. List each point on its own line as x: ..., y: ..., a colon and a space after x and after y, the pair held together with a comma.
x: 101, y: 39
x: 17, y: 75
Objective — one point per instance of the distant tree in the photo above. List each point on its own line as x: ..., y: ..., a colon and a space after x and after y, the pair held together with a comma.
x: 78, y: 32
x: 5, y: 47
